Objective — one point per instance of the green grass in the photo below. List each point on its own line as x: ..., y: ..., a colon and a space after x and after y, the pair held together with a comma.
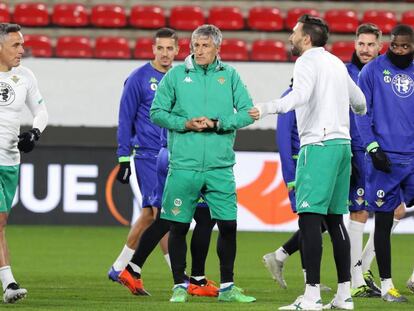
x: 64, y: 268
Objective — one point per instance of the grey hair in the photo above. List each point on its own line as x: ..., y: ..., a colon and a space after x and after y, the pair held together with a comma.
x: 6, y: 28
x: 210, y: 31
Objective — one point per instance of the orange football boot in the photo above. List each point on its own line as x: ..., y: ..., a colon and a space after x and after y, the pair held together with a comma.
x: 136, y: 286
x: 208, y: 290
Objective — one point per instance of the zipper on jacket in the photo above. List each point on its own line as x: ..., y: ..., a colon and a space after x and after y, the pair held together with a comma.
x: 205, y: 109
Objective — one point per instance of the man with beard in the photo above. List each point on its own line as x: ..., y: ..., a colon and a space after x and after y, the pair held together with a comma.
x: 387, y: 133
x: 322, y: 92
x: 367, y: 47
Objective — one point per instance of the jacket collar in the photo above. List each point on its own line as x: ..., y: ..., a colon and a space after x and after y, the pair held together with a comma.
x: 190, y: 64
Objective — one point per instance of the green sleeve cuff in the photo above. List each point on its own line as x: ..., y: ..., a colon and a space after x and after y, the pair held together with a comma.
x: 372, y: 145
x: 123, y: 159
x: 291, y: 184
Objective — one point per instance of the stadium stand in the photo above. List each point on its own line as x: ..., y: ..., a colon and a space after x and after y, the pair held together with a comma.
x: 143, y: 48
x: 341, y: 20
x: 112, y: 47
x: 268, y: 20
x: 268, y: 50
x: 265, y: 19
x: 108, y: 15
x: 38, y: 45
x: 31, y: 14
x: 70, y: 15
x: 186, y: 17
x: 226, y: 17
x: 147, y: 16
x: 74, y: 47
x: 4, y: 13
x: 234, y: 50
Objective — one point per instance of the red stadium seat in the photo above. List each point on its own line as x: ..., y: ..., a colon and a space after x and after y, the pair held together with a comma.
x: 4, y: 13
x: 385, y: 20
x: 184, y: 44
x: 226, y: 17
x: 265, y: 19
x: 295, y: 13
x: 108, y: 15
x: 343, y: 50
x: 147, y: 16
x: 74, y: 46
x: 31, y: 14
x: 234, y: 50
x: 408, y: 18
x: 38, y: 45
x: 70, y: 15
x: 112, y: 47
x: 385, y: 46
x: 268, y: 50
x: 186, y: 17
x: 143, y: 48
x: 342, y: 20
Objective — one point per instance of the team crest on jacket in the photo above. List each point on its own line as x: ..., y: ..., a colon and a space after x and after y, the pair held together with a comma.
x: 402, y: 85
x: 7, y: 94
x: 221, y: 80
x: 153, y: 83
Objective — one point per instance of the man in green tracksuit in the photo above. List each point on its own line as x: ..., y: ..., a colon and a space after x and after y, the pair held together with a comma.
x: 202, y: 102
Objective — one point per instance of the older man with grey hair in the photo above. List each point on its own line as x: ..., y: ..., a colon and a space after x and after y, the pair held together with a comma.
x: 202, y: 103
x: 18, y: 87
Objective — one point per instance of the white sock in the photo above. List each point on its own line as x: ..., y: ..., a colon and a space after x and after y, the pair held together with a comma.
x: 368, y: 253
x: 344, y: 291
x: 199, y: 278
x: 124, y: 257
x: 135, y: 267
x: 412, y: 277
x: 304, y: 275
x: 224, y: 286
x: 356, y: 231
x: 6, y: 276
x: 394, y: 224
x: 312, y: 293
x: 281, y: 254
x: 167, y: 259
x: 180, y: 285
x: 386, y: 284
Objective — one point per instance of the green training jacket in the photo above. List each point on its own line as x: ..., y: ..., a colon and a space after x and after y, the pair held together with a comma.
x: 189, y: 91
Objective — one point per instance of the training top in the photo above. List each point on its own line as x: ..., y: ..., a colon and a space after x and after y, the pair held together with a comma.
x: 288, y: 142
x: 322, y: 92
x: 189, y: 91
x: 135, y: 129
x: 356, y: 141
x: 18, y: 87
x: 389, y: 91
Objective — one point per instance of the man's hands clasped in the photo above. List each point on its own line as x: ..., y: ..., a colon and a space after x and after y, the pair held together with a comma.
x: 201, y: 124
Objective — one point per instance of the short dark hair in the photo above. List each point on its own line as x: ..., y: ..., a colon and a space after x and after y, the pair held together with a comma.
x: 6, y: 28
x: 316, y: 28
x: 403, y: 30
x: 368, y: 28
x: 166, y: 33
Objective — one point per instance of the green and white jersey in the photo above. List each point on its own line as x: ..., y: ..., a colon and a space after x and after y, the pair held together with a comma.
x: 18, y: 87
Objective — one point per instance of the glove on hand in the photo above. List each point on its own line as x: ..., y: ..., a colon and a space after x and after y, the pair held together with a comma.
x: 380, y: 160
x: 27, y: 140
x: 124, y: 172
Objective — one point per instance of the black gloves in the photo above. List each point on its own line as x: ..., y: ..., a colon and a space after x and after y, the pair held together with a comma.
x: 27, y: 140
x: 124, y: 172
x: 380, y: 160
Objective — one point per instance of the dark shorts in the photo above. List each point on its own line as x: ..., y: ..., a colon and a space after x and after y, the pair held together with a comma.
x: 384, y: 192
x: 146, y: 171
x: 357, y: 190
x: 162, y: 172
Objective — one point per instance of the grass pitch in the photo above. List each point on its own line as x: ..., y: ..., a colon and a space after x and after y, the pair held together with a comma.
x: 64, y: 268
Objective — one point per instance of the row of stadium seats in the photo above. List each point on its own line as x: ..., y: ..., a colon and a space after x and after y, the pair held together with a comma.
x: 189, y: 17
x: 119, y: 48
